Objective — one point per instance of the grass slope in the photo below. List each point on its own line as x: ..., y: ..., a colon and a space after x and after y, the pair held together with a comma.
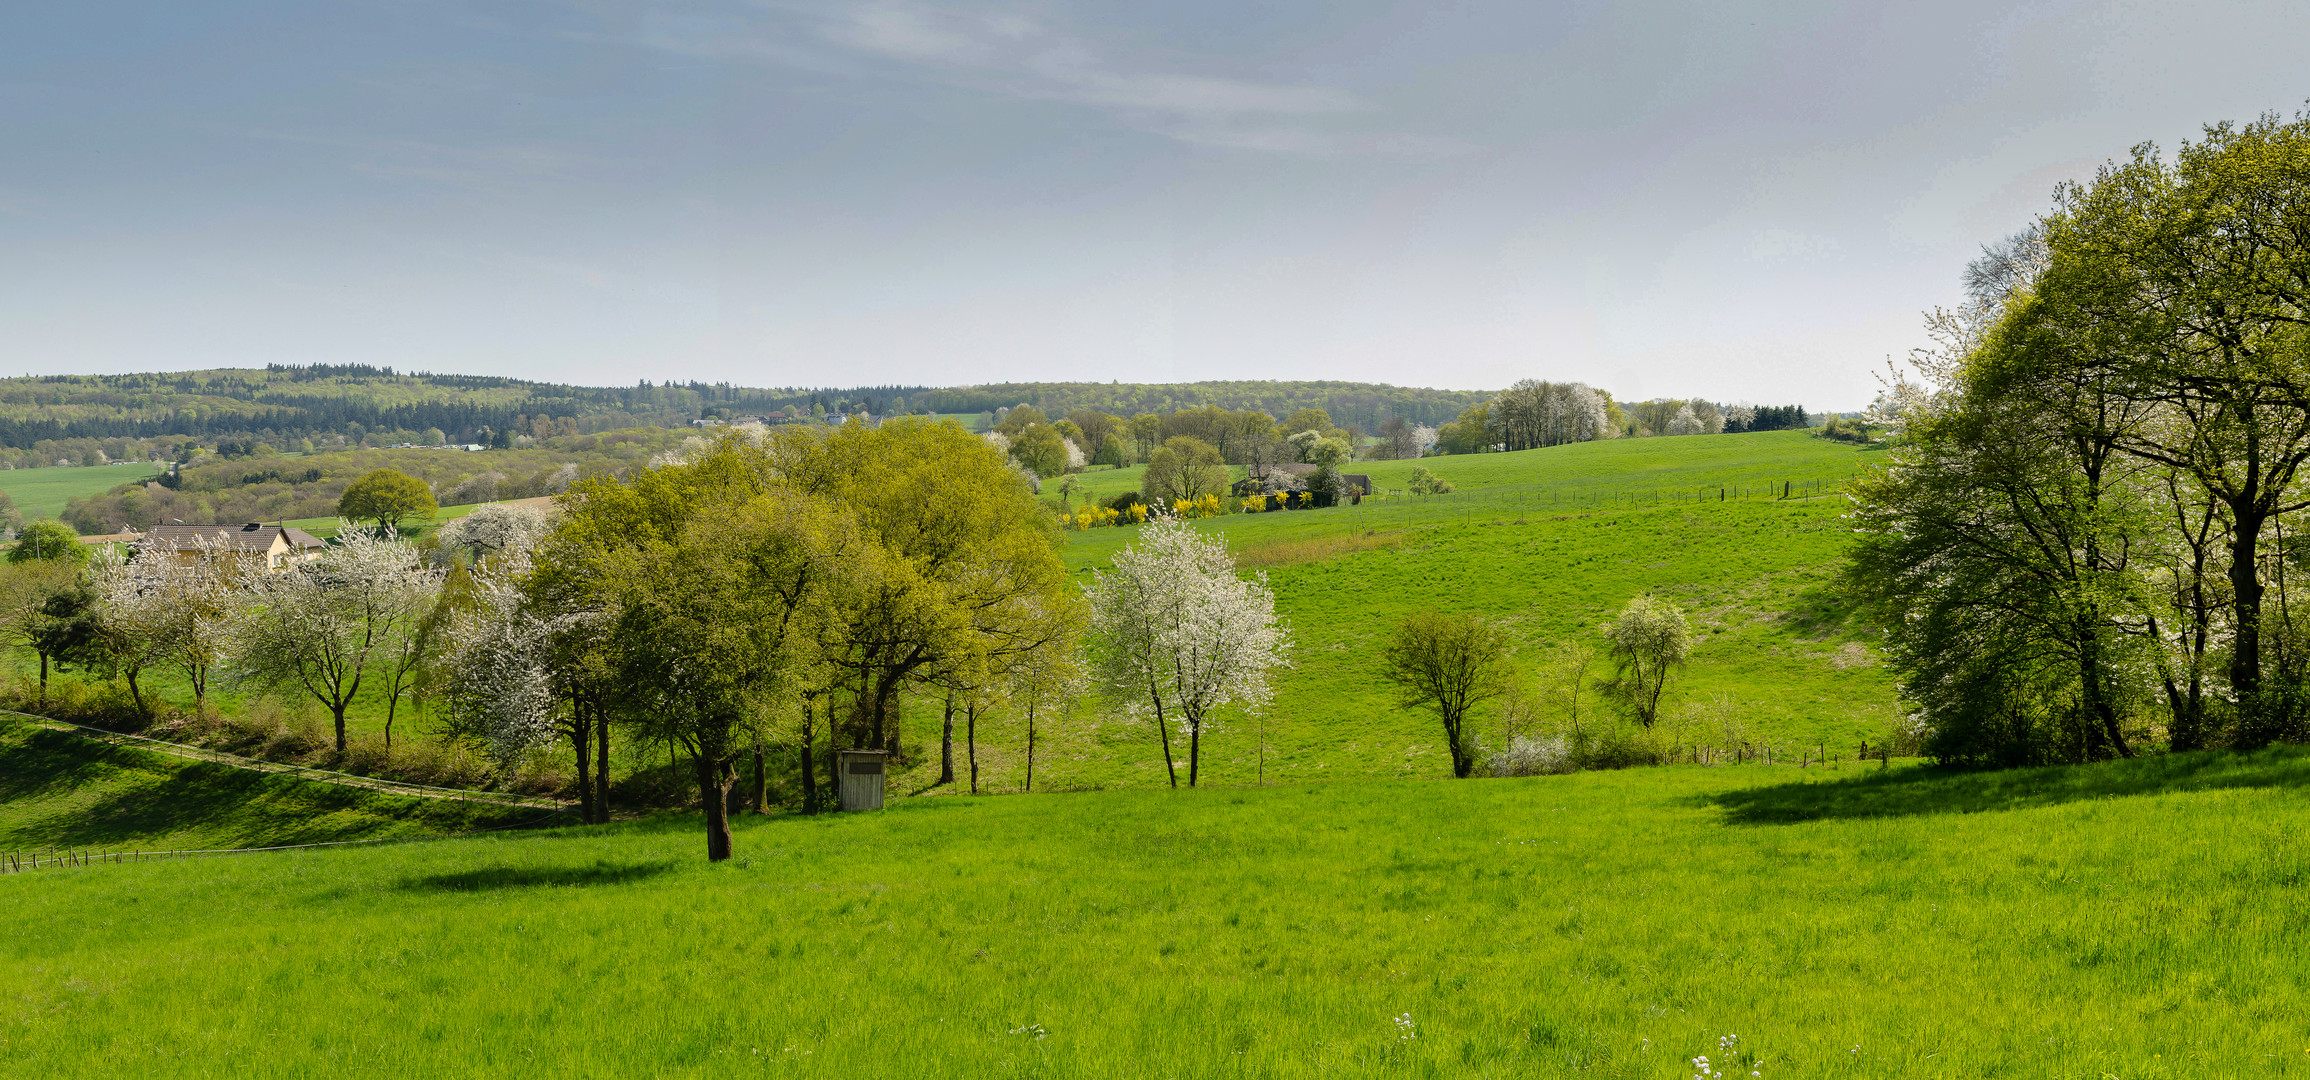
x: 1778, y: 661
x: 58, y: 789
x: 42, y: 493
x: 2137, y: 919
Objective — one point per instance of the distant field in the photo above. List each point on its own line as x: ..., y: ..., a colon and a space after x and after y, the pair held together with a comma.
x: 2132, y: 919
x: 42, y: 493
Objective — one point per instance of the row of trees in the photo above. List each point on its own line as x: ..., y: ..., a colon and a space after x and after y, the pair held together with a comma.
x: 2089, y: 544
x: 1533, y: 413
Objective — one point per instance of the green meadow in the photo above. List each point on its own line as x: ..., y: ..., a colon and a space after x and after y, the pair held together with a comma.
x: 42, y: 493
x: 2136, y: 919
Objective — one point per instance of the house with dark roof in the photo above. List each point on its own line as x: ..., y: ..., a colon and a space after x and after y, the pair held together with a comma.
x: 281, y: 546
x: 1295, y: 476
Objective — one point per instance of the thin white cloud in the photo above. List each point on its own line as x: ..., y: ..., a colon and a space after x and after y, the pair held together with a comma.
x: 1009, y: 55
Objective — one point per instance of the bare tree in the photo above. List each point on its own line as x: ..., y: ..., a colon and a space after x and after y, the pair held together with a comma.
x: 1451, y: 664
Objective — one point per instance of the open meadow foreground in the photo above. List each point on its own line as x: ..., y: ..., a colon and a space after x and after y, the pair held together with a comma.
x: 2139, y: 919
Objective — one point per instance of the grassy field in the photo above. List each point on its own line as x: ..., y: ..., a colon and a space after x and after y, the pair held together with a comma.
x: 42, y: 493
x: 59, y: 789
x: 2138, y: 919
x: 1779, y: 661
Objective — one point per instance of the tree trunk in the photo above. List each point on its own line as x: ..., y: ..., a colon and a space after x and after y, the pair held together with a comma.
x: 391, y: 700
x: 946, y: 744
x: 1030, y: 786
x: 2246, y: 639
x: 577, y: 738
x: 337, y: 710
x: 714, y: 790
x: 971, y: 741
x: 1194, y: 748
x: 601, y: 762
x: 758, y: 800
x: 809, y: 749
x: 200, y: 684
x: 1462, y: 765
x: 1169, y: 767
x: 136, y: 693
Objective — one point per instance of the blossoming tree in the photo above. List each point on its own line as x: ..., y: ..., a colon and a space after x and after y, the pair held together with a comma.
x: 1180, y: 634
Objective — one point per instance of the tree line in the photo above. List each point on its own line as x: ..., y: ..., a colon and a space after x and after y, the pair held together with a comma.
x: 770, y: 592
x: 2088, y: 545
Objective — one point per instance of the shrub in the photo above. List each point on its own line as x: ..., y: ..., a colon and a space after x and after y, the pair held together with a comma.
x: 1424, y: 482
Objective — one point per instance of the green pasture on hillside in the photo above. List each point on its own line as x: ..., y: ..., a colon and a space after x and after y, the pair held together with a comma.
x: 42, y: 493
x: 1550, y: 541
x: 2133, y: 919
x: 58, y: 789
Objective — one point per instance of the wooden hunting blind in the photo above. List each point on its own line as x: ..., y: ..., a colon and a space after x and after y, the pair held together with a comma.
x: 860, y: 778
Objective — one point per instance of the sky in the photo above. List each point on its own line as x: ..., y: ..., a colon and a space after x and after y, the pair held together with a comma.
x: 1730, y: 199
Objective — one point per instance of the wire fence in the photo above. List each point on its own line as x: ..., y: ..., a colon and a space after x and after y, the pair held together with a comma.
x: 1790, y: 490
x: 52, y: 858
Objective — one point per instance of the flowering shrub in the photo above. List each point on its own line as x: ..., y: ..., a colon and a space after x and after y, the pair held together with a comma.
x: 1093, y: 516
x: 1189, y: 509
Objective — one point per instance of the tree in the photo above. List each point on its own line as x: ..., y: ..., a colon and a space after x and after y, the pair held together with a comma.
x: 1178, y: 633
x: 488, y: 531
x: 25, y: 591
x: 1451, y: 664
x: 713, y: 626
x: 48, y: 538
x: 385, y: 497
x: 1039, y: 448
x: 1647, y: 643
x: 322, y: 627
x: 175, y: 605
x: 1184, y: 469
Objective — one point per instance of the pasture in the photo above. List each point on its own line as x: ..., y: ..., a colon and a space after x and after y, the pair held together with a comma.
x: 1551, y: 541
x: 2136, y: 919
x: 42, y: 493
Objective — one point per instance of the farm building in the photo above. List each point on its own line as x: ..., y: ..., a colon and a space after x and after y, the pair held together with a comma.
x: 279, y: 545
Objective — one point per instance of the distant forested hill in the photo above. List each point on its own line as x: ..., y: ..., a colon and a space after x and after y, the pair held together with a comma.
x: 89, y: 419
x: 1365, y: 405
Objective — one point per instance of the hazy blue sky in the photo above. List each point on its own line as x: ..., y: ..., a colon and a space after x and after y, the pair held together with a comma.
x: 1741, y: 200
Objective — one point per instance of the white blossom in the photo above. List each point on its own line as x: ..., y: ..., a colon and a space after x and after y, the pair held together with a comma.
x: 489, y: 531
x: 1180, y: 633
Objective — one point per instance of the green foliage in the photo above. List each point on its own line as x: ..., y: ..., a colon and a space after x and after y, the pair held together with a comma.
x: 1183, y: 470
x: 1423, y: 482
x: 1598, y: 924
x: 48, y: 539
x: 1449, y: 664
x: 386, y: 496
x: 1647, y: 643
x: 1040, y: 449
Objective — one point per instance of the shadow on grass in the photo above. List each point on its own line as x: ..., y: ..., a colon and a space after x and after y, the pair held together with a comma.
x: 119, y: 798
x: 493, y: 878
x: 1921, y: 790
